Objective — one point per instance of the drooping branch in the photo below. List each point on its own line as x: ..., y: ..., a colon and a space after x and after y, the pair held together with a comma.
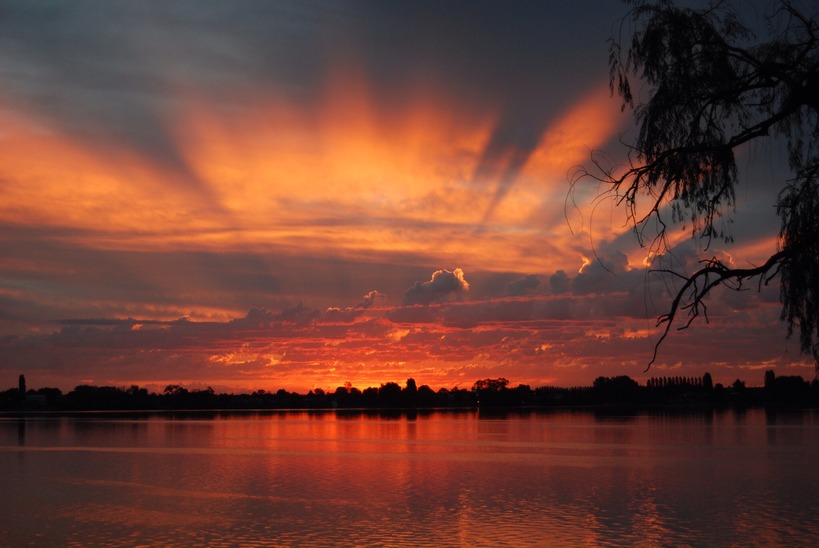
x: 700, y: 283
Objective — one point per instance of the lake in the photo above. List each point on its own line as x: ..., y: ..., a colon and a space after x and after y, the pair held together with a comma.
x: 559, y: 478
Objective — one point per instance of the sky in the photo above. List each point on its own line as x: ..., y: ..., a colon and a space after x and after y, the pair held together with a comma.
x: 266, y: 195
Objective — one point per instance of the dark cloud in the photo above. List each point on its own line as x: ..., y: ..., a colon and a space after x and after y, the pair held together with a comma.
x: 560, y: 282
x: 298, y: 315
x: 414, y: 315
x: 340, y: 315
x: 370, y: 298
x: 524, y: 286
x: 495, y: 313
x: 51, y: 277
x: 349, y: 314
x: 600, y: 275
x: 443, y: 286
x: 128, y: 323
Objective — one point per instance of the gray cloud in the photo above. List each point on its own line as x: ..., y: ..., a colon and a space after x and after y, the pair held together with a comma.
x: 599, y: 276
x: 560, y: 282
x: 441, y: 287
x: 524, y: 286
x: 370, y: 298
x: 298, y: 315
x: 349, y: 314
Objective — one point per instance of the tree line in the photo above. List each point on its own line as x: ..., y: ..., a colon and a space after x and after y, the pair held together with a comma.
x: 484, y: 393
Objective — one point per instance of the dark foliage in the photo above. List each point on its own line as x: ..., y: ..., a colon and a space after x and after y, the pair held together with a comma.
x: 711, y: 87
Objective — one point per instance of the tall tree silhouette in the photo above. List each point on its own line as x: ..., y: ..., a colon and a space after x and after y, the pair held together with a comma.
x: 711, y: 87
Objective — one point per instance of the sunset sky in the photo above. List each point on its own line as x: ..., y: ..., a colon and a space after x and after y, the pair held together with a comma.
x: 265, y: 195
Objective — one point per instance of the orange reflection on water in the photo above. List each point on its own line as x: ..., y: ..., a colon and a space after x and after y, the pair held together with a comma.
x: 428, y: 479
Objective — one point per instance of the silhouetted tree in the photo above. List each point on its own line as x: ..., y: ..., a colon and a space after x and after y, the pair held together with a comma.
x: 410, y: 392
x: 621, y: 389
x: 389, y: 395
x: 52, y: 394
x: 707, y: 382
x: 491, y: 392
x: 770, y: 378
x: 370, y: 396
x: 175, y: 390
x: 21, y: 386
x: 202, y: 399
x: 493, y: 385
x: 87, y: 396
x: 523, y: 395
x: 426, y: 397
x: 788, y: 390
x: 411, y: 387
x: 709, y: 90
x: 340, y: 396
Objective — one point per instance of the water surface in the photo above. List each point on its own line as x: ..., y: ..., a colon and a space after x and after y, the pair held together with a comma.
x: 436, y: 479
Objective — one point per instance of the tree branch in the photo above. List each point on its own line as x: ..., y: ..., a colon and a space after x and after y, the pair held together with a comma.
x: 711, y: 275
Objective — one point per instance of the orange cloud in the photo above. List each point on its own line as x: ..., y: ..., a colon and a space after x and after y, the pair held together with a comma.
x: 365, y: 178
x: 103, y: 194
x: 567, y: 142
x: 348, y: 174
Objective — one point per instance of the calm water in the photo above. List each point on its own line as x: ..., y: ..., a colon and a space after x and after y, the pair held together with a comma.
x: 439, y: 479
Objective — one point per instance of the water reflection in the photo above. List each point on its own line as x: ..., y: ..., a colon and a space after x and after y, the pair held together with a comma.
x: 432, y: 479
